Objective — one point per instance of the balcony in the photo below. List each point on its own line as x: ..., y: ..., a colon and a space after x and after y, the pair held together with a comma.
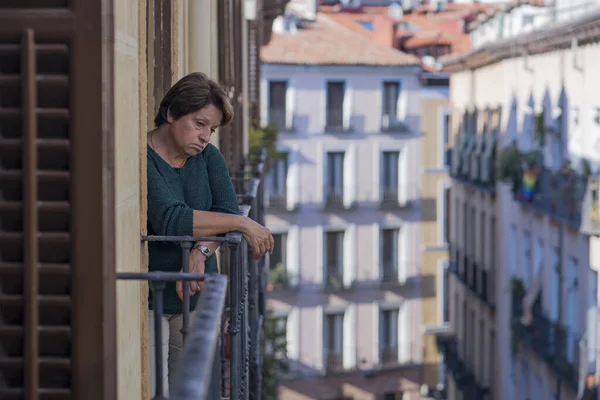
x: 558, y: 195
x: 279, y: 280
x: 336, y: 199
x: 334, y: 279
x: 208, y: 349
x: 389, y: 273
x: 460, y: 370
x: 388, y: 357
x: 334, y: 362
x: 335, y: 122
x: 395, y: 199
x: 549, y: 340
x: 476, y: 278
x: 473, y: 162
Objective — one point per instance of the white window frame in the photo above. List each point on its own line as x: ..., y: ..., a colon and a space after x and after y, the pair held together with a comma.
x: 350, y: 190
x: 347, y: 104
x: 348, y: 334
x: 443, y: 266
x: 405, y: 263
x: 349, y: 266
x: 404, y: 192
x: 442, y: 187
x: 293, y: 180
x: 443, y: 112
x: 402, y: 103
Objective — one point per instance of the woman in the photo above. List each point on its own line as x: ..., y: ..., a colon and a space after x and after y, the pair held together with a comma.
x: 190, y: 193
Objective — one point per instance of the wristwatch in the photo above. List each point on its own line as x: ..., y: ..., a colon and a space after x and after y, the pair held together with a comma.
x: 203, y: 249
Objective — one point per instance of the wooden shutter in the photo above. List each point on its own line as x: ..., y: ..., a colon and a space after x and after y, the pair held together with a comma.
x: 56, y: 286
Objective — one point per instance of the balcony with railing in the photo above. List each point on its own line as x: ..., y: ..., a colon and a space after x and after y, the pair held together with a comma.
x: 334, y: 277
x: 337, y: 198
x: 388, y: 356
x: 474, y: 276
x: 558, y: 195
x: 278, y: 119
x: 216, y: 362
x: 461, y: 373
x: 549, y: 340
x: 473, y: 161
x: 334, y: 362
x: 280, y: 280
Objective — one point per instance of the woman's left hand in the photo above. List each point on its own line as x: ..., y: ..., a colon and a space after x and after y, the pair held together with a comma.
x: 197, y: 266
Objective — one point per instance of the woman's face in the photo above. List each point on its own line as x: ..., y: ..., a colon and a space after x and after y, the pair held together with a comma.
x: 192, y: 131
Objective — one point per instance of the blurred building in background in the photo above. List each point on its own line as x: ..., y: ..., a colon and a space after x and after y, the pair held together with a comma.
x: 523, y: 304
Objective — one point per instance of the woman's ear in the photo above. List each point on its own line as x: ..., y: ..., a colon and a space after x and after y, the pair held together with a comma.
x: 169, y: 116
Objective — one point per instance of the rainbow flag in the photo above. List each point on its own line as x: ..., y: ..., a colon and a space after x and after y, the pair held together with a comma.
x: 529, y: 180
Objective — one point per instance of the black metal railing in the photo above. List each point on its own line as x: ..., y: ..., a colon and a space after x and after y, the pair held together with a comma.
x: 203, y: 372
x: 389, y: 273
x: 278, y: 118
x: 388, y: 356
x: 474, y: 163
x: 474, y: 276
x: 335, y: 120
x: 334, y: 362
x: 334, y: 278
x: 550, y: 340
x: 278, y: 201
x: 559, y: 194
x: 461, y: 373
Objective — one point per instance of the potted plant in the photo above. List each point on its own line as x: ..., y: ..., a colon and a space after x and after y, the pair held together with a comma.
x: 509, y: 166
x: 277, y: 278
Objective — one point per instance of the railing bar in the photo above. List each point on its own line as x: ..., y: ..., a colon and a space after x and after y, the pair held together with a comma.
x: 194, y: 374
x: 185, y: 254
x: 191, y: 239
x: 235, y: 321
x: 157, y: 296
x: 30, y: 225
x: 161, y: 276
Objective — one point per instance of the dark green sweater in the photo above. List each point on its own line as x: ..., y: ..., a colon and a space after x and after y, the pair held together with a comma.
x: 203, y: 184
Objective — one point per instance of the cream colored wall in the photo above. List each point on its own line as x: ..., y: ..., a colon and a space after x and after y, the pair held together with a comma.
x: 434, y: 252
x: 130, y: 117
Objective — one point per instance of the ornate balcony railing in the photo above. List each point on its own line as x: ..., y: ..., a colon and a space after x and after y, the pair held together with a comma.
x: 388, y: 356
x: 334, y: 362
x: 473, y: 162
x: 461, y: 373
x: 551, y: 341
x: 474, y: 276
x: 556, y: 194
x: 203, y: 373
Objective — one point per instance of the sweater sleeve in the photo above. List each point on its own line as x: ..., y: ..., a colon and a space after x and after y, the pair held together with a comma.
x: 221, y: 187
x: 167, y: 215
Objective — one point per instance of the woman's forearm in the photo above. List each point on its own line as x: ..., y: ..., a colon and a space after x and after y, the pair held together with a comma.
x: 208, y: 223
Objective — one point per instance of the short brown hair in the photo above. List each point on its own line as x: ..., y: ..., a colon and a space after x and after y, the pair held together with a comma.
x: 191, y: 93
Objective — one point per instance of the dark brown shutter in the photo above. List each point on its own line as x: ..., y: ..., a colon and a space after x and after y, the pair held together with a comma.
x: 56, y: 294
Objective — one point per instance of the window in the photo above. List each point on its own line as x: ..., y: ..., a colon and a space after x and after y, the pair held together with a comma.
x: 277, y: 104
x: 391, y: 95
x: 445, y: 217
x: 335, y: 105
x: 389, y: 176
x: 277, y: 276
x: 389, y: 254
x: 334, y: 341
x: 445, y: 138
x: 389, y: 337
x: 444, y: 296
x: 335, y: 177
x: 278, y: 181
x: 334, y: 256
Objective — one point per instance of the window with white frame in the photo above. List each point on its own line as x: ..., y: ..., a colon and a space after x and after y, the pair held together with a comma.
x: 277, y: 276
x: 333, y: 341
x: 388, y: 332
x: 278, y: 180
x: 391, y: 97
x: 334, y: 259
x: 389, y: 254
x: 445, y: 210
x: 445, y: 138
x: 443, y: 297
x: 336, y: 92
x: 335, y: 177
x: 277, y: 104
x: 389, y: 175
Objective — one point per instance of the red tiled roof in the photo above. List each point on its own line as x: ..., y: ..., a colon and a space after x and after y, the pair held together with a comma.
x: 325, y: 42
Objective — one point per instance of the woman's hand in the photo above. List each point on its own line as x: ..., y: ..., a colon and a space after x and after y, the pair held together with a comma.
x: 197, y: 266
x: 258, y: 237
